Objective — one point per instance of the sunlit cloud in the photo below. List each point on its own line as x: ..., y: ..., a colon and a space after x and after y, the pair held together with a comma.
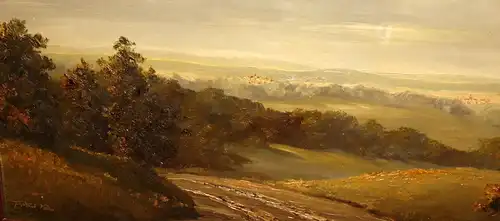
x: 394, y: 33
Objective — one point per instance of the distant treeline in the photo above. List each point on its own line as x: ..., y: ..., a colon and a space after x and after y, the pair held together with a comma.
x: 280, y: 90
x: 119, y: 107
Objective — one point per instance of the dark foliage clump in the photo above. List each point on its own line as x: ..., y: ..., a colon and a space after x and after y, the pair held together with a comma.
x: 492, y: 195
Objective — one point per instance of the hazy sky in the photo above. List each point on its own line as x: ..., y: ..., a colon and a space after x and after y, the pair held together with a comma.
x: 411, y: 36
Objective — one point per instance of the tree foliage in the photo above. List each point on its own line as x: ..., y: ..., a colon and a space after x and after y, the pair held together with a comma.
x: 84, y: 101
x: 492, y: 197
x: 26, y: 103
x: 490, y: 147
x: 113, y: 107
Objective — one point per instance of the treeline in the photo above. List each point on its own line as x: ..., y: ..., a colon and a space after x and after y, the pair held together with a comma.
x: 117, y: 106
x: 338, y: 130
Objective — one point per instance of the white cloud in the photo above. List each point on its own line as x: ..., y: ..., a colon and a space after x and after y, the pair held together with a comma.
x: 397, y: 33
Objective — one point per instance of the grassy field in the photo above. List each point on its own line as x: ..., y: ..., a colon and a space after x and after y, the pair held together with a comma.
x: 459, y: 132
x: 405, y: 192
x: 285, y: 162
x: 79, y: 185
x: 411, y: 195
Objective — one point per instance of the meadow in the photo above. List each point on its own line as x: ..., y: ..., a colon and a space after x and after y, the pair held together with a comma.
x: 409, y: 195
x: 403, y: 191
x: 276, y: 162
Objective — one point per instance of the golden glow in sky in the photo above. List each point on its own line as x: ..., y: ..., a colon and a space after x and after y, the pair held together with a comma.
x: 408, y: 36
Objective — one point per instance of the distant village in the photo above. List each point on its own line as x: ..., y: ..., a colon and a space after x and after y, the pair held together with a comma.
x: 473, y: 100
x: 258, y: 80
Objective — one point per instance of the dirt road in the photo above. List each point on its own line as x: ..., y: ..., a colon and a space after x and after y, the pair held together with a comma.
x: 228, y: 199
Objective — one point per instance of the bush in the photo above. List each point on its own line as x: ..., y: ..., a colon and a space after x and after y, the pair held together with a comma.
x: 492, y: 195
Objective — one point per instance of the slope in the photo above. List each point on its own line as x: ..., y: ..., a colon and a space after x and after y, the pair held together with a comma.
x: 80, y: 185
x: 409, y: 195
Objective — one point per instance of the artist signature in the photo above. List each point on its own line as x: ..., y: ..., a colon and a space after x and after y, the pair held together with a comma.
x: 22, y: 204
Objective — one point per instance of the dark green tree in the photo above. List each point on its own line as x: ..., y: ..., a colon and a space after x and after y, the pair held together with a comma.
x: 84, y: 102
x: 27, y: 104
x: 139, y: 124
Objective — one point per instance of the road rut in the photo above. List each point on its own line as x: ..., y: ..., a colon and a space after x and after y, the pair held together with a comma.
x: 230, y: 199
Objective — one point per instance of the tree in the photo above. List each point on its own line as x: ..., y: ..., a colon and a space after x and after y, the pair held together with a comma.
x: 85, y: 101
x: 373, y: 137
x: 140, y: 124
x: 490, y: 147
x: 489, y: 152
x: 26, y: 102
x: 125, y: 83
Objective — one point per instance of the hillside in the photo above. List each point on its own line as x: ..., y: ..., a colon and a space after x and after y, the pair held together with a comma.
x: 80, y: 185
x: 315, y: 164
x: 264, y: 89
x: 413, y: 195
x: 458, y: 132
x: 444, y: 119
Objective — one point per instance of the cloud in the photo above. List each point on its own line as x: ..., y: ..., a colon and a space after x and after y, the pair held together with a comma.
x: 402, y: 34
x: 393, y: 35
x: 447, y: 14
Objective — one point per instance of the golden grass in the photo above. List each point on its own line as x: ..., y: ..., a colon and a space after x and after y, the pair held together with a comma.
x: 286, y: 162
x: 81, y: 185
x: 409, y: 195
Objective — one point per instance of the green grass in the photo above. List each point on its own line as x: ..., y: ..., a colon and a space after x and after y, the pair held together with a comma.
x: 285, y: 162
x: 80, y: 185
x: 411, y: 195
x: 458, y: 132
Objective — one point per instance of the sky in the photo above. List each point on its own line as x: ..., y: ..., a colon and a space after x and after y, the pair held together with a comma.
x: 404, y: 36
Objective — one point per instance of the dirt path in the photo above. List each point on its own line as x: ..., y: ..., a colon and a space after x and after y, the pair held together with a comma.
x: 228, y: 199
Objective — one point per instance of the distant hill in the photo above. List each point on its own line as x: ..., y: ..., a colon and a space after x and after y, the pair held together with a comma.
x: 226, y: 61
x: 166, y: 56
x: 340, y: 83
x: 286, y: 90
x: 182, y: 63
